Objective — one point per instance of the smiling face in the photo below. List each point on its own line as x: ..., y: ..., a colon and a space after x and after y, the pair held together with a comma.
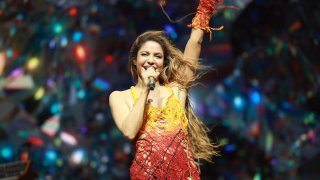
x: 150, y: 55
x: 157, y: 49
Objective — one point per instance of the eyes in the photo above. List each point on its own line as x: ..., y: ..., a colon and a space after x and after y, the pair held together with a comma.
x: 157, y: 55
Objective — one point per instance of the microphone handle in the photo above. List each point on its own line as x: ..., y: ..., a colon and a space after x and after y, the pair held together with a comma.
x: 151, y: 83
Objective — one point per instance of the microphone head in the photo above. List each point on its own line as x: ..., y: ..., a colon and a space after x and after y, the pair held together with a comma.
x: 151, y: 83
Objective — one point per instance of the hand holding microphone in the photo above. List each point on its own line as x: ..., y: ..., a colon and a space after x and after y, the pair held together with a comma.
x: 151, y: 77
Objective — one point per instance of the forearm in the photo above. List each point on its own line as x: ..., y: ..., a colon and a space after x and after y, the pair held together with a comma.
x: 196, y: 36
x: 133, y: 122
x: 193, y: 46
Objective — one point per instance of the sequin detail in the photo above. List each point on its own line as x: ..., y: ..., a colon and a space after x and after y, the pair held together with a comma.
x: 162, y: 144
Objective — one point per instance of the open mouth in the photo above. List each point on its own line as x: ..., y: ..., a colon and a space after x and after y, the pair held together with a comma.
x: 147, y: 67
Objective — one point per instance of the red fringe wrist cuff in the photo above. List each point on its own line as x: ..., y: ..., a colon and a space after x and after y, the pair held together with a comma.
x: 203, y: 15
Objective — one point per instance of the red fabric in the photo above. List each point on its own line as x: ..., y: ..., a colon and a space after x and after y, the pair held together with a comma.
x: 204, y: 13
x: 163, y: 157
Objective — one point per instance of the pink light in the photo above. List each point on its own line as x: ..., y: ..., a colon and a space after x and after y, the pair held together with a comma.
x: 16, y: 72
x: 68, y: 138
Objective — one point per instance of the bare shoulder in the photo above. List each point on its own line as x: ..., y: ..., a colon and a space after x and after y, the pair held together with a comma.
x: 120, y: 97
x: 118, y: 94
x: 177, y: 88
x: 115, y: 95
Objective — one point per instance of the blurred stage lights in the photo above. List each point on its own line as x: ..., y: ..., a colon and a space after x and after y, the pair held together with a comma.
x: 68, y: 138
x: 51, y: 155
x: 64, y: 42
x: 238, y: 102
x: 255, y: 97
x: 77, y: 36
x: 39, y: 93
x: 6, y: 152
x: 80, y: 53
x: 33, y: 63
x: 57, y: 28
x: 56, y: 108
x: 78, y: 156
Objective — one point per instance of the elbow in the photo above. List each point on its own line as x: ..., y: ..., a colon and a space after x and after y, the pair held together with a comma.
x: 130, y: 136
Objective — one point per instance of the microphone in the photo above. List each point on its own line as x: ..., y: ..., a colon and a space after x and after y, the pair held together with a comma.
x: 151, y: 83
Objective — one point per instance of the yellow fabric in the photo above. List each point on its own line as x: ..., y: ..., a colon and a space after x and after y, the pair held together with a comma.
x: 166, y: 119
x: 134, y: 94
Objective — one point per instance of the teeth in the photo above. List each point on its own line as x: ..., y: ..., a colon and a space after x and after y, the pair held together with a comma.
x: 146, y: 68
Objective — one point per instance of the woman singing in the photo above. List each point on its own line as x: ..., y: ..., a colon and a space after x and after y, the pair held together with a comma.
x: 155, y: 113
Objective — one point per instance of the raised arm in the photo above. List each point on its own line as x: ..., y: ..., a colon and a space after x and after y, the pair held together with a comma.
x: 193, y: 47
x: 200, y: 24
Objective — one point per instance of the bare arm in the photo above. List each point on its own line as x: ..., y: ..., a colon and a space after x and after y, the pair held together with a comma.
x: 128, y: 122
x: 193, y: 48
x: 191, y: 53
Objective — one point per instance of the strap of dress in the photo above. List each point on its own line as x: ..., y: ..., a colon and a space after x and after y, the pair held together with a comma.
x: 134, y: 94
x: 169, y: 89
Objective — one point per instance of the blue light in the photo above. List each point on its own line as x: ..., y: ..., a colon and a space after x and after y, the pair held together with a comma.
x: 78, y: 156
x: 52, y: 44
x: 64, y: 42
x: 255, y: 97
x: 6, y: 152
x: 81, y: 94
x: 229, y: 148
x: 171, y: 31
x: 238, y: 102
x: 20, y: 16
x: 77, y: 36
x: 168, y: 28
x: 101, y: 84
x: 288, y: 106
x: 51, y: 155
x: 55, y: 108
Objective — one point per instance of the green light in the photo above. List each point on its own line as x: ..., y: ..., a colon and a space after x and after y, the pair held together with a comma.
x: 57, y: 28
x: 257, y: 176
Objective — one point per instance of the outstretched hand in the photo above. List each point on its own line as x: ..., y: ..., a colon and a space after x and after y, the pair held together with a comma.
x: 147, y: 73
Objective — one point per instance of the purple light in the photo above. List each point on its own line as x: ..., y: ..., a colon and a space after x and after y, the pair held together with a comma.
x: 16, y: 72
x: 83, y: 129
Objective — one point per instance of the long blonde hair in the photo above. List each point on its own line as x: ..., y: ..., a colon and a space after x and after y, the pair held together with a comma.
x: 175, y: 67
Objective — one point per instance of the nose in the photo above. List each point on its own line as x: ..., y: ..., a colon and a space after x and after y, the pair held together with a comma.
x: 150, y: 60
